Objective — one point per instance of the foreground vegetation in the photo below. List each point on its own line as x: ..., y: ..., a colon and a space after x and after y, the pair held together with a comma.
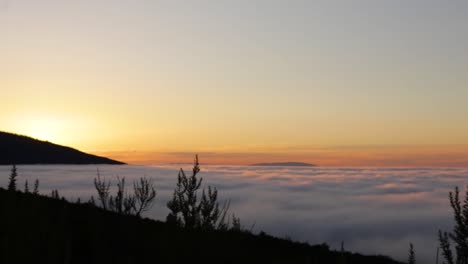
x: 40, y: 229
x: 459, y: 235
x: 110, y: 229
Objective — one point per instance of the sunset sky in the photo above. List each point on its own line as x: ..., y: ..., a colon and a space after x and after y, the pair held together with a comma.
x: 337, y: 83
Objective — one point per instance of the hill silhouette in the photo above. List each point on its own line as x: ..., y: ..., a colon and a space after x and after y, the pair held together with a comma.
x: 18, y: 149
x: 40, y: 229
x: 298, y: 164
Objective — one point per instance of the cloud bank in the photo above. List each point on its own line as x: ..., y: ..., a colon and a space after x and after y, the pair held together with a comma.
x: 373, y: 210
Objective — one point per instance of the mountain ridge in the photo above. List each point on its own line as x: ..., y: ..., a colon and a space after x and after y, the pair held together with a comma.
x: 20, y: 149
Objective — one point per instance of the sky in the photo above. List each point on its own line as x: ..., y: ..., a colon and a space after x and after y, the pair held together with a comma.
x: 337, y: 83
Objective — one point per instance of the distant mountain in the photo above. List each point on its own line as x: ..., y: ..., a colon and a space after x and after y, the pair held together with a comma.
x: 17, y: 149
x: 297, y: 164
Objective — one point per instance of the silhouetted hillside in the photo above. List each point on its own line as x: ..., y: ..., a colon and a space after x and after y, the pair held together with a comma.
x: 39, y: 229
x: 16, y: 149
x: 299, y: 164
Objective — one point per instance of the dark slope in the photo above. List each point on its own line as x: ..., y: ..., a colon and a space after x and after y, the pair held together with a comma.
x: 38, y: 229
x: 16, y: 149
x: 298, y: 164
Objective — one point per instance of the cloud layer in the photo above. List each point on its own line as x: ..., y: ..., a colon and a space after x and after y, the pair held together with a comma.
x: 373, y: 210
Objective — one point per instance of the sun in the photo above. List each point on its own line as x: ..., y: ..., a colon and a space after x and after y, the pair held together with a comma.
x: 48, y: 129
x: 59, y: 128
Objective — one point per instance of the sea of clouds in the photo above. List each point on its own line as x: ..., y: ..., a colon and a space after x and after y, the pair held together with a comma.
x: 373, y: 210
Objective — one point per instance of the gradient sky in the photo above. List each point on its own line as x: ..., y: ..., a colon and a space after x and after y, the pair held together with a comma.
x: 246, y: 77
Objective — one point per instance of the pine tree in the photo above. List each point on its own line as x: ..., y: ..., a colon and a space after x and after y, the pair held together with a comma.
x: 12, y: 179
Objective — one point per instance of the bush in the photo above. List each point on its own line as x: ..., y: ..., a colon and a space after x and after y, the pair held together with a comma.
x: 188, y: 212
x: 459, y: 235
x: 140, y: 201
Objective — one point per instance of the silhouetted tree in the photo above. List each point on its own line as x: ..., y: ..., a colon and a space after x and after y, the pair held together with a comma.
x: 187, y: 211
x: 26, y: 186
x: 12, y: 179
x: 445, y: 246
x: 183, y: 206
x: 116, y: 203
x: 460, y: 231
x: 411, y: 256
x: 36, y: 187
x: 102, y: 188
x: 236, y: 224
x: 209, y: 209
x: 144, y: 195
x: 342, y: 258
x: 129, y: 205
x: 220, y: 222
x: 140, y: 201
x: 55, y: 194
x: 132, y: 204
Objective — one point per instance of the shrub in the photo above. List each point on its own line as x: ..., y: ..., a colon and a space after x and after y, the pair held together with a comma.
x: 411, y: 255
x: 140, y: 201
x: 185, y: 209
x: 459, y: 235
x: 36, y: 187
x: 26, y: 186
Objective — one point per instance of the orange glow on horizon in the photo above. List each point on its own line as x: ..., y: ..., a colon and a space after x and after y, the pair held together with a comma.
x: 384, y: 156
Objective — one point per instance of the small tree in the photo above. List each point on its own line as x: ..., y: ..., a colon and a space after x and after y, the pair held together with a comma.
x: 116, y: 203
x: 12, y: 179
x: 36, y: 187
x: 135, y: 204
x: 183, y: 206
x: 188, y: 212
x: 236, y: 224
x: 144, y: 195
x: 460, y: 231
x: 55, y: 194
x: 445, y: 246
x: 26, y: 186
x: 209, y: 208
x: 411, y: 256
x: 102, y: 188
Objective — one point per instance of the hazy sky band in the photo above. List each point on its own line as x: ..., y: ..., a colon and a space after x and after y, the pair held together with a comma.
x: 190, y: 76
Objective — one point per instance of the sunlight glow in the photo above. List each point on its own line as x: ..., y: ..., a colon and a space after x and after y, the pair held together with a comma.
x: 42, y: 126
x: 45, y: 129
